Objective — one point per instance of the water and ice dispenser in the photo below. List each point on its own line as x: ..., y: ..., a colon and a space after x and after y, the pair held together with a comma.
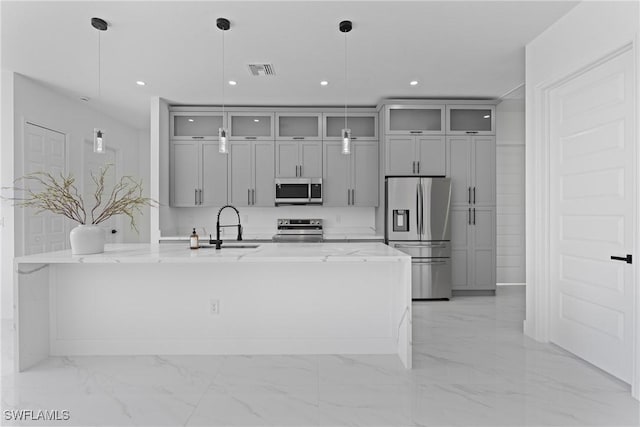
x: 400, y: 220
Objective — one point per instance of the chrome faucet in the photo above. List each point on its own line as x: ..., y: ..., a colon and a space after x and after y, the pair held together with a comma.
x: 218, y: 242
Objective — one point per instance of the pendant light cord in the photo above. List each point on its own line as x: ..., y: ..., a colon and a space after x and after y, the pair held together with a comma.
x: 222, y: 81
x: 99, y: 65
x: 345, y: 80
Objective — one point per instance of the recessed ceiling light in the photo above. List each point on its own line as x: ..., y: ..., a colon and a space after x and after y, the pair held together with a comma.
x: 140, y: 83
x: 191, y: 120
x: 324, y: 83
x: 233, y: 82
x: 256, y: 120
x: 488, y: 116
x: 413, y: 82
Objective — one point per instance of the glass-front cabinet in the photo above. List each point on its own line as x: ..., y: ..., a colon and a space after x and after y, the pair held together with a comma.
x: 298, y: 126
x: 195, y: 125
x: 364, y: 126
x: 414, y: 119
x: 251, y: 126
x: 471, y: 119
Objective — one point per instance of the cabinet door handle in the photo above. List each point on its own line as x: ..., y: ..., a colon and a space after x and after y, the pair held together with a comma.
x: 353, y: 196
x: 200, y: 195
x: 413, y: 167
x: 353, y: 138
x: 296, y: 170
x: 469, y: 216
x: 248, y: 196
x: 418, y: 163
x: 250, y: 137
x: 415, y: 131
x: 474, y: 216
x: 253, y: 196
x: 474, y: 195
x: 298, y: 137
x: 197, y: 137
x: 348, y: 197
x: 469, y: 191
x: 195, y: 202
x: 472, y: 131
x: 300, y: 170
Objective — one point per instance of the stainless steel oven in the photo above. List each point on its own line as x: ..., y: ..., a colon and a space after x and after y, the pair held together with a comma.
x: 298, y: 191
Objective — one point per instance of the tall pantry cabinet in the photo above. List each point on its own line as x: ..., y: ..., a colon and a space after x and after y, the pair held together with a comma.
x: 471, y: 164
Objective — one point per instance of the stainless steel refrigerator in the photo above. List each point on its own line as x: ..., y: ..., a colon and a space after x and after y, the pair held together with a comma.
x: 417, y: 223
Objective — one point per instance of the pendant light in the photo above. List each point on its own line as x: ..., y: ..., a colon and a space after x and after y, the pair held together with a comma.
x: 223, y: 24
x: 345, y: 27
x: 98, y: 134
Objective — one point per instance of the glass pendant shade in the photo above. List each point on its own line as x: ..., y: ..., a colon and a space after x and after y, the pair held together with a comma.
x: 98, y: 141
x: 346, y: 141
x: 222, y: 142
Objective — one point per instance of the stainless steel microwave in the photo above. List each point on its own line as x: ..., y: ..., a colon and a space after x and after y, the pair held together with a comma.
x: 298, y: 191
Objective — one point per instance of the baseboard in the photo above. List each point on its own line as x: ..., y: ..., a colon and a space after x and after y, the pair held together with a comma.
x: 510, y: 284
x: 472, y: 293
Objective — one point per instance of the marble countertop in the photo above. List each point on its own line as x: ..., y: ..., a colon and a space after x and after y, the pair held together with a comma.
x: 144, y: 253
x: 268, y: 235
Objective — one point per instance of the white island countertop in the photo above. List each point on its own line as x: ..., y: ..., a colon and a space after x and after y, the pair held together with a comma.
x: 144, y: 253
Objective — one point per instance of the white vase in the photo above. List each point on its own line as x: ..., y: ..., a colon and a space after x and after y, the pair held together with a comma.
x: 87, y: 239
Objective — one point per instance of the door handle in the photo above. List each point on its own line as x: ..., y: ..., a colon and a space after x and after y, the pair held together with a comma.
x: 248, y: 196
x: 413, y: 167
x: 296, y: 170
x: 474, y: 195
x: 353, y: 196
x: 472, y: 131
x: 200, y: 194
x: 114, y: 231
x: 469, y: 194
x: 415, y: 131
x: 298, y: 137
x: 195, y: 197
x: 250, y: 137
x: 474, y: 216
x: 418, y: 163
x: 300, y: 170
x: 628, y: 259
x: 469, y: 216
x: 253, y: 196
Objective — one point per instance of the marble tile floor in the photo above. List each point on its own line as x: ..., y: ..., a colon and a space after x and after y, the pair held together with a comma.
x: 472, y: 366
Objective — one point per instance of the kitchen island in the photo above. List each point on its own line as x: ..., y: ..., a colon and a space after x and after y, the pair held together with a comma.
x: 277, y: 298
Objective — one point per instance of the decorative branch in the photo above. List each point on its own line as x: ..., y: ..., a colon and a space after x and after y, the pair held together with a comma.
x: 60, y: 195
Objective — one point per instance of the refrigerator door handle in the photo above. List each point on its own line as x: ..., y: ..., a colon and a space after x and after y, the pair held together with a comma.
x: 421, y: 231
x: 418, y: 207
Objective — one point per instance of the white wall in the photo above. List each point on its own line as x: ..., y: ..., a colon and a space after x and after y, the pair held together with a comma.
x: 35, y: 103
x: 585, y: 34
x: 510, y: 189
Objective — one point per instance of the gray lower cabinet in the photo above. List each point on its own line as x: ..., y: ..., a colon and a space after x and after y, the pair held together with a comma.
x: 198, y: 174
x: 350, y: 180
x: 298, y: 159
x: 473, y: 253
x: 415, y: 155
x: 251, y: 173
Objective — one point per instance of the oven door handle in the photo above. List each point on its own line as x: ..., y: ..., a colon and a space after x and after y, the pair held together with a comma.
x: 431, y: 262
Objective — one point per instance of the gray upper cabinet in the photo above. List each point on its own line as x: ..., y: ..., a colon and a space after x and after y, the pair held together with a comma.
x: 251, y: 126
x: 298, y: 126
x: 196, y: 125
x: 198, y: 174
x: 415, y: 119
x: 251, y: 173
x: 472, y: 167
x: 364, y: 126
x: 415, y: 155
x: 471, y: 119
x: 350, y: 180
x: 299, y: 159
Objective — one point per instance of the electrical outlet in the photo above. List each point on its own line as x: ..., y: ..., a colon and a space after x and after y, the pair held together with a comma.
x: 214, y: 306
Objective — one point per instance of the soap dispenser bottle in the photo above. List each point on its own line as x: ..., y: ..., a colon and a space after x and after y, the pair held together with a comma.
x: 193, y: 240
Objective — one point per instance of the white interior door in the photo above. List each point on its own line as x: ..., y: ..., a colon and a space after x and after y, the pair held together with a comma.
x: 44, y: 151
x: 592, y: 215
x: 93, y: 162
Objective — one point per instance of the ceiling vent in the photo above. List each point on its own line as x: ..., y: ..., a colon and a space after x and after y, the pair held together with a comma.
x: 262, y: 70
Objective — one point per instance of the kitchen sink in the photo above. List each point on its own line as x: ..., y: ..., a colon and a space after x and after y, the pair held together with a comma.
x: 231, y: 246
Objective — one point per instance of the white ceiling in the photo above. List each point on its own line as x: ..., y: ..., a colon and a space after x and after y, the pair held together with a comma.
x: 453, y: 48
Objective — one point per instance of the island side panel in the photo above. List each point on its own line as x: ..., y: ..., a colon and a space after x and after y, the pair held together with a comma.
x: 262, y: 308
x: 31, y: 302
x: 403, y: 313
